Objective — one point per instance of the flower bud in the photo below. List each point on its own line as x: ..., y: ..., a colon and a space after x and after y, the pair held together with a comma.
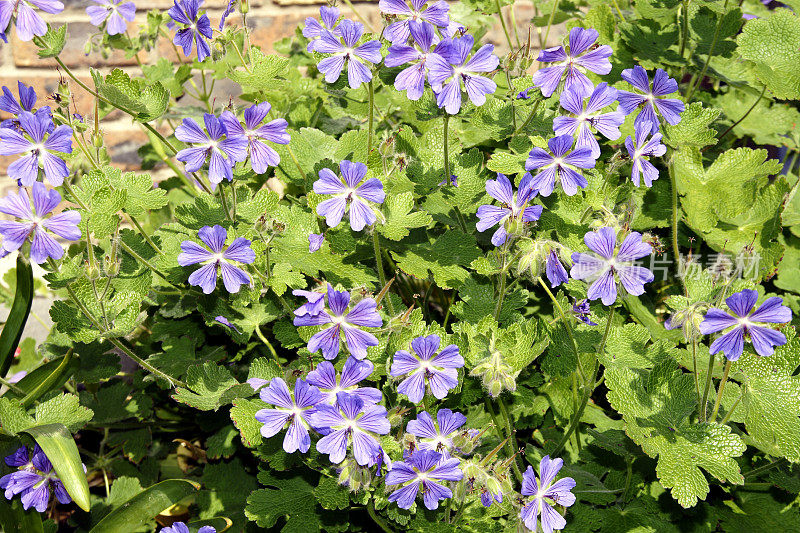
x: 111, y: 266
x: 688, y: 319
x: 97, y: 139
x: 495, y: 374
x: 244, y: 7
x: 92, y: 271
x: 394, y: 416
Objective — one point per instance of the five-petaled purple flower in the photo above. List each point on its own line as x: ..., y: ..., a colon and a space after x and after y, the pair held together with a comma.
x: 555, y: 271
x: 339, y: 319
x: 351, y: 421
x: 28, y: 21
x: 426, y: 468
x: 600, y: 269
x: 329, y: 384
x: 574, y: 63
x: 33, y: 480
x: 180, y: 527
x: 217, y: 259
x: 436, y: 436
x: 342, y: 45
x: 292, y: 409
x: 450, y: 68
x: 221, y: 153
x: 15, y: 233
x: 196, y: 28
x: 652, y: 97
x: 429, y: 12
x: 588, y: 117
x: 643, y: 149
x: 114, y: 13
x: 313, y: 30
x: 37, y: 140
x: 353, y: 191
x: 412, y: 79
x: 426, y: 367
x: 545, y: 494
x: 515, y: 208
x: 262, y: 156
x: 559, y: 165
x: 744, y: 322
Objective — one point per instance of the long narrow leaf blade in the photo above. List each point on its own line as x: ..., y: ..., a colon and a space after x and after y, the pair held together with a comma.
x: 57, y: 443
x: 145, y: 505
x: 18, y: 316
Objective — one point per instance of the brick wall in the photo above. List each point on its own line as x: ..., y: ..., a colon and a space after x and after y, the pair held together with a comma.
x: 269, y: 21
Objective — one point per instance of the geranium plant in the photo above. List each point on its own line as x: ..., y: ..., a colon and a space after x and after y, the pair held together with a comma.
x: 405, y: 279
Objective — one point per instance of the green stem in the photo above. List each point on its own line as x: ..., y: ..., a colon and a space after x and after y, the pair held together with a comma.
x: 685, y: 27
x: 11, y: 386
x: 694, y: 368
x: 761, y: 469
x: 721, y: 390
x: 503, y: 24
x: 732, y: 409
x: 503, y: 432
x: 511, y: 443
x: 619, y: 12
x: 144, y: 235
x: 711, y: 48
x: 376, y: 247
x: 724, y: 133
x: 371, y: 93
x: 268, y: 345
x: 674, y: 221
x: 241, y: 58
x: 174, y: 382
x: 530, y: 117
x: 501, y: 289
x: 587, y: 390
x: 567, y: 326
x: 704, y: 402
x: 550, y: 21
x: 372, y: 514
x: 446, y: 120
x: 224, y: 203
x: 146, y: 263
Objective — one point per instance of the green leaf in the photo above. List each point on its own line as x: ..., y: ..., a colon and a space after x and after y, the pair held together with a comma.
x: 18, y: 315
x: 210, y: 386
x: 289, y: 497
x: 264, y: 69
x: 772, y: 44
x: 693, y: 129
x: 144, y: 102
x: 145, y: 505
x: 657, y: 407
x: 52, y: 42
x: 772, y: 398
x: 57, y: 443
x: 331, y: 495
x: 63, y: 409
x: 243, y: 414
x: 15, y: 519
x: 399, y: 218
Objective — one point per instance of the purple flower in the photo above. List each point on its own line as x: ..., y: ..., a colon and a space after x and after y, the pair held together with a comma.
x: 27, y: 99
x: 292, y: 409
x: 559, y: 164
x: 412, y: 79
x: 523, y: 95
x: 329, y: 384
x: 351, y: 422
x: 343, y: 47
x: 545, y: 494
x: 580, y: 58
x: 588, y: 117
x: 225, y: 14
x: 253, y: 134
x: 217, y: 259
x: 652, y: 98
x: 600, y: 269
x: 28, y: 22
x: 429, y: 11
x: 426, y: 468
x: 221, y: 153
x: 114, y: 13
x: 15, y: 233
x: 353, y: 191
x: 743, y: 322
x: 515, y: 208
x: 426, y: 367
x: 452, y: 64
x: 315, y: 303
x: 180, y: 527
x: 37, y: 146
x: 313, y: 30
x: 315, y: 241
x: 644, y: 148
x: 582, y: 311
x: 436, y: 436
x: 33, y: 480
x: 196, y: 28
x: 555, y: 271
x: 340, y: 319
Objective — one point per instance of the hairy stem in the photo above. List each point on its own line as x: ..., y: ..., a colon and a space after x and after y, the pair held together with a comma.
x: 376, y: 247
x: 711, y: 48
x: 721, y: 390
x: 371, y: 93
x: 704, y: 402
